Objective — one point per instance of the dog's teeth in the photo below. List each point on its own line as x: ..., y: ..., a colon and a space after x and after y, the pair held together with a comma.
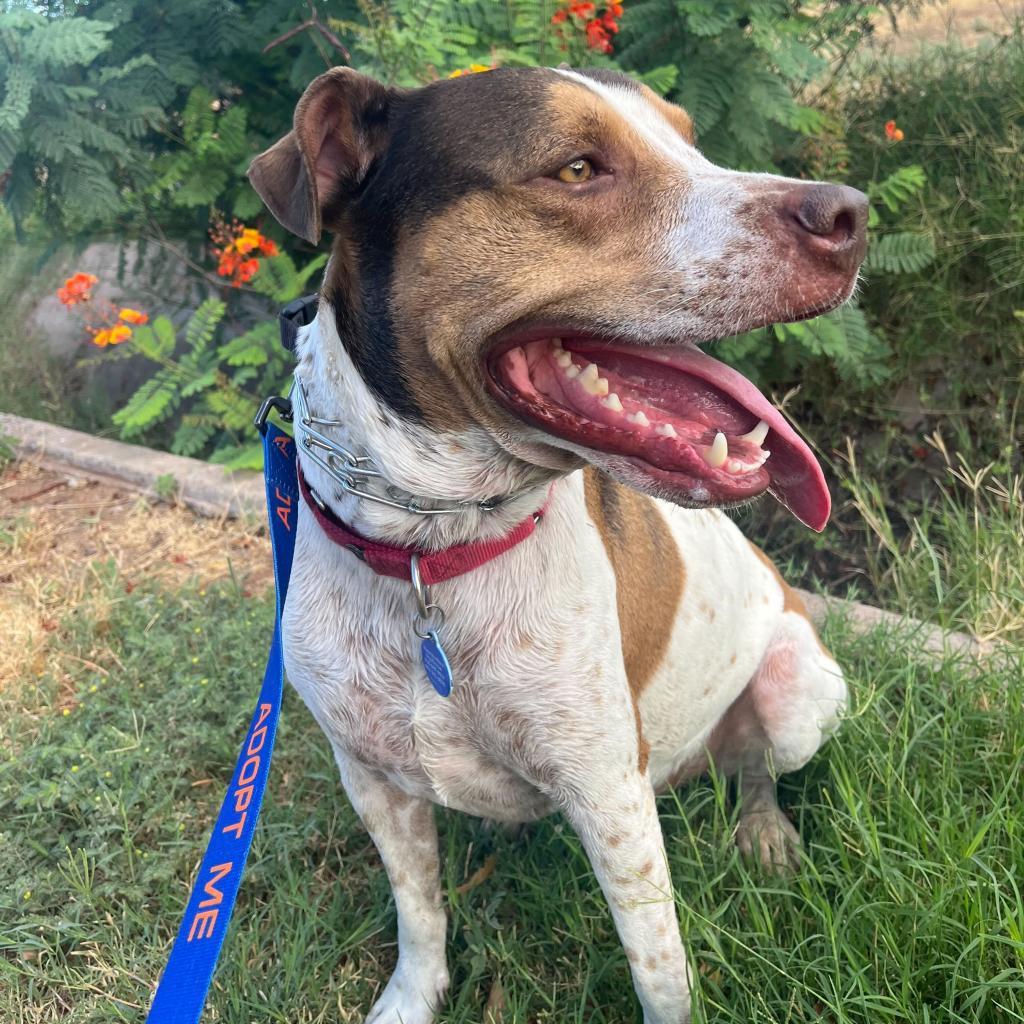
x: 757, y: 435
x: 612, y: 402
x: 735, y: 466
x: 563, y: 358
x: 572, y: 371
x: 665, y: 430
x: 638, y: 418
x: 593, y: 383
x: 716, y: 455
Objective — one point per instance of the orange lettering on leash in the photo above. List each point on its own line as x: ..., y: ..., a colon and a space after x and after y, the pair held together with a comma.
x: 243, y: 788
x: 204, y: 920
x: 214, y: 895
x: 283, y: 444
x: 284, y: 508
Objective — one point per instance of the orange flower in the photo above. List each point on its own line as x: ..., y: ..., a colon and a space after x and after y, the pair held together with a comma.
x: 77, y: 289
x: 238, y: 249
x: 112, y: 335
x: 473, y: 69
x: 132, y: 316
x: 892, y: 133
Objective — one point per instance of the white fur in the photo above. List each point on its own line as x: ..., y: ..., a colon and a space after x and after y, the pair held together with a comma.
x: 540, y: 717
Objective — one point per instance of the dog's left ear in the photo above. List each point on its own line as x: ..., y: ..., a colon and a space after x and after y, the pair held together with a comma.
x: 341, y: 125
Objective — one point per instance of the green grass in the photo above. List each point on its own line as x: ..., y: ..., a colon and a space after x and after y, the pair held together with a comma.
x: 908, y: 907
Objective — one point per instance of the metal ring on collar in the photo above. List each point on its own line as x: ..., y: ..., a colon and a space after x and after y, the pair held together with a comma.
x: 345, y: 467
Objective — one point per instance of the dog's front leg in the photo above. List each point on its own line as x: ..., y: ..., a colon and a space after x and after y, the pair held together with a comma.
x: 405, y: 834
x: 618, y: 825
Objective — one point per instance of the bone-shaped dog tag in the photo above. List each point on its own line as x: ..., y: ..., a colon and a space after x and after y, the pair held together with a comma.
x: 435, y: 664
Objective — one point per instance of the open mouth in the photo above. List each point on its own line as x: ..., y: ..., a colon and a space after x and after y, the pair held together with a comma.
x: 696, y: 428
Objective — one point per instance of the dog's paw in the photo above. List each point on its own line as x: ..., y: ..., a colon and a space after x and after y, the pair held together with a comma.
x: 769, y: 838
x: 411, y: 997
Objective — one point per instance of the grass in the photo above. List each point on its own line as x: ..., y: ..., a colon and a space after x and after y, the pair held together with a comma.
x: 960, y: 560
x: 908, y: 907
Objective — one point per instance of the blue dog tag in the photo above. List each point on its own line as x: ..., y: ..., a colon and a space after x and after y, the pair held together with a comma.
x: 435, y: 664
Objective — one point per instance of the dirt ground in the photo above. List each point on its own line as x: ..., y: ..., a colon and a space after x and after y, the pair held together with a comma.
x: 60, y: 532
x: 967, y: 21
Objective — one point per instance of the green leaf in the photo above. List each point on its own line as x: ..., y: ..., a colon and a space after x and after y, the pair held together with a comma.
x: 202, y: 325
x: 662, y: 80
x: 898, y: 187
x: 902, y: 252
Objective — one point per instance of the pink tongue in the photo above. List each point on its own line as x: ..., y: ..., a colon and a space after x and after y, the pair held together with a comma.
x: 797, y: 480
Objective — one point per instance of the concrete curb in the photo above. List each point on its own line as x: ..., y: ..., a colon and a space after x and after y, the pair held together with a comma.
x: 212, y: 491
x: 201, y: 486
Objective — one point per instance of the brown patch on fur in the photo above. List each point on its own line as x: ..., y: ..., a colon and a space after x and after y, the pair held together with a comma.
x: 791, y: 600
x: 438, y: 336
x: 644, y: 755
x: 649, y: 579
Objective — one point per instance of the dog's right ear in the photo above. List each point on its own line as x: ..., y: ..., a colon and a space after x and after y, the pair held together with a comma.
x: 341, y: 125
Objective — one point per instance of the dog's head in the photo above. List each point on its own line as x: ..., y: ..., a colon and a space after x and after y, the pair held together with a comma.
x: 536, y: 252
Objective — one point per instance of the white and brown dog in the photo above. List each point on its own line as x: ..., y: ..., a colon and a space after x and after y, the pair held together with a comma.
x: 522, y: 264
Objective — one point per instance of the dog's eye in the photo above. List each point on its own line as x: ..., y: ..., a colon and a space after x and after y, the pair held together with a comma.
x: 576, y: 171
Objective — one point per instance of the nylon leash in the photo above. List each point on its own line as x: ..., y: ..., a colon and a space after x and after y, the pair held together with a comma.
x: 181, y: 994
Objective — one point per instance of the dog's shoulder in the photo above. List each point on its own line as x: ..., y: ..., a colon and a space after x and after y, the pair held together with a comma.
x: 650, y: 573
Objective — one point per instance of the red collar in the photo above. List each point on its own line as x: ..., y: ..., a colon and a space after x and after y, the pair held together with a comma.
x: 435, y: 566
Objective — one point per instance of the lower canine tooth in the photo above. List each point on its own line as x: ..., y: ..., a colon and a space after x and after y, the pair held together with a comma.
x: 757, y: 435
x: 563, y: 358
x: 718, y: 452
x: 612, y: 402
x: 665, y: 430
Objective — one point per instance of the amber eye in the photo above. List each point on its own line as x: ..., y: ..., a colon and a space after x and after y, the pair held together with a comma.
x: 577, y: 171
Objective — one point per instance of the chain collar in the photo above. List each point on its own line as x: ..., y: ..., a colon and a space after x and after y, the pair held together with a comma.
x: 350, y: 471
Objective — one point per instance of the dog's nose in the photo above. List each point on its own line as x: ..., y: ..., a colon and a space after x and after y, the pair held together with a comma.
x: 832, y: 221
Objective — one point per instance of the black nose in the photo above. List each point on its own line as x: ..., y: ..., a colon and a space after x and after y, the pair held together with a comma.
x: 835, y: 219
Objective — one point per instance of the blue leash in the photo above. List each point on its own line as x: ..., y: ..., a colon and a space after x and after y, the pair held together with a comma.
x: 182, y: 990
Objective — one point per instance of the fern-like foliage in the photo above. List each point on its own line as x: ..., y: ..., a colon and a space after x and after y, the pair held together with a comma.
x: 206, y: 387
x: 902, y: 252
x: 66, y: 110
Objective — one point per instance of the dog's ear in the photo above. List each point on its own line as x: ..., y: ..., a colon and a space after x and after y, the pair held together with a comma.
x: 340, y: 127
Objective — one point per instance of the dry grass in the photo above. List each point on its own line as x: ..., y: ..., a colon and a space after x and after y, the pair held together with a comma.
x: 60, y: 534
x: 969, y: 22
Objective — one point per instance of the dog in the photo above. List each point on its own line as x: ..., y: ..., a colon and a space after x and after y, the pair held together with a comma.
x: 504, y: 363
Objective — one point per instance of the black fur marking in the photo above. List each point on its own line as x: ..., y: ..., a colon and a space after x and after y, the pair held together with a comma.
x: 447, y: 140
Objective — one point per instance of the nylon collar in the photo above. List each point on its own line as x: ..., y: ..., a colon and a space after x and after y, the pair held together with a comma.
x: 434, y: 566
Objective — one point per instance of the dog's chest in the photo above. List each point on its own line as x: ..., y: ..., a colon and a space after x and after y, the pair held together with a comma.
x: 520, y: 653
x: 539, y: 682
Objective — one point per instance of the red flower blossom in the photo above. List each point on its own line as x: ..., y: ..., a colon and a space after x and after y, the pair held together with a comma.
x: 77, y: 288
x: 892, y: 133
x: 598, y: 30
x: 238, y: 250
